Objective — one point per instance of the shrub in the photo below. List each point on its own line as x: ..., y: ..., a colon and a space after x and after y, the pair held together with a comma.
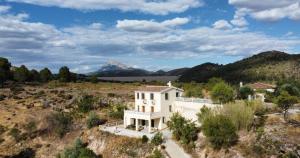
x: 2, y: 129
x: 16, y: 134
x: 183, y: 130
x: 117, y: 111
x: 94, y: 120
x: 145, y: 139
x: 156, y: 154
x: 78, y: 150
x: 30, y: 126
x: 240, y: 114
x: 175, y: 125
x: 189, y: 133
x: 59, y: 123
x: 157, y: 139
x: 257, y: 106
x: 85, y: 103
x: 25, y: 153
x: 204, y: 113
x: 220, y: 131
x: 245, y: 91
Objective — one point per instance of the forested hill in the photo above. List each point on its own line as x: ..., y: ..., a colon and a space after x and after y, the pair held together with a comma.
x: 268, y: 66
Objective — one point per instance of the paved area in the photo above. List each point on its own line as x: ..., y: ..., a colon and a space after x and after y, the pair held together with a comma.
x: 172, y: 148
x: 120, y: 130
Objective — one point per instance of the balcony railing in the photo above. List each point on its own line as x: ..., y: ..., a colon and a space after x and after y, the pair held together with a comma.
x: 133, y: 112
x: 194, y: 100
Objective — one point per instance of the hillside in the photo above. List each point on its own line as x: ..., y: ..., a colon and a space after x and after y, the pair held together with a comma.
x: 269, y: 66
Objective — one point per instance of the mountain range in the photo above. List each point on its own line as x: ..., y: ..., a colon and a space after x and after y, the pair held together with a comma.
x: 265, y: 66
x: 116, y: 69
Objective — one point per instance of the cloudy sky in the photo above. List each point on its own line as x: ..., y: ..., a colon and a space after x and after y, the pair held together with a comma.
x: 150, y: 34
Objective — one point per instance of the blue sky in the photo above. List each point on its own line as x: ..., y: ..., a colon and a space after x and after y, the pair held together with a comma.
x: 149, y: 34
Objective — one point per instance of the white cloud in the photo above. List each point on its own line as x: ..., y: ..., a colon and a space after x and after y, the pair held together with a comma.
x: 4, y: 9
x: 84, y: 48
x: 269, y: 10
x: 150, y: 26
x: 239, y: 18
x: 222, y: 24
x: 158, y: 7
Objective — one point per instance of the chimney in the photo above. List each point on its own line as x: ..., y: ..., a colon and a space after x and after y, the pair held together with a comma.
x: 241, y: 84
x: 169, y: 84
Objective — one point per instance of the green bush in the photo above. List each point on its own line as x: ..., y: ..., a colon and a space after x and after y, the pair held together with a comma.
x: 16, y: 134
x: 204, y: 113
x: 183, y: 130
x: 94, y: 120
x: 240, y: 114
x: 222, y: 93
x: 59, y: 123
x: 117, y: 111
x: 156, y: 154
x: 220, y: 131
x: 145, y: 139
x: 245, y: 91
x: 78, y: 150
x: 85, y: 103
x: 157, y: 139
x: 30, y: 126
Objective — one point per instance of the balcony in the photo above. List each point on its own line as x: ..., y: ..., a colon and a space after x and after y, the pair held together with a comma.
x: 142, y: 115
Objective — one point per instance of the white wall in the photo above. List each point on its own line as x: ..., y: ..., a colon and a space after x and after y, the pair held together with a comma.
x: 189, y: 110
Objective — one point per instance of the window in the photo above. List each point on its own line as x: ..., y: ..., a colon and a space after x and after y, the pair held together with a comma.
x: 143, y: 95
x: 152, y: 109
x: 177, y: 94
x: 166, y: 96
x: 170, y: 108
x: 143, y: 108
x: 163, y: 119
x: 138, y: 95
x: 138, y: 108
x: 151, y: 96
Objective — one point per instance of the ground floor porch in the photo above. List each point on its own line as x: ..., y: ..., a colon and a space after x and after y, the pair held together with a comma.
x: 144, y: 125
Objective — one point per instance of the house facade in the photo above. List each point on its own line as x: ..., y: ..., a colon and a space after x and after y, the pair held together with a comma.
x: 154, y: 105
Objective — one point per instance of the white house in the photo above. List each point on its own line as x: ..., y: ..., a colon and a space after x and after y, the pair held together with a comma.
x: 154, y: 105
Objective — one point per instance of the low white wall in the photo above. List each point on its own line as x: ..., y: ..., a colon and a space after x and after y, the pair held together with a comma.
x: 189, y: 110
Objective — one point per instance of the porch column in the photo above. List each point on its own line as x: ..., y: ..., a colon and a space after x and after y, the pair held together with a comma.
x: 136, y: 124
x: 125, y: 122
x: 149, y: 124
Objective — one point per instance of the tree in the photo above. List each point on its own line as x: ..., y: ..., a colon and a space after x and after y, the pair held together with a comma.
x: 4, y: 70
x: 220, y: 131
x: 245, y: 91
x: 212, y: 82
x: 21, y: 74
x: 45, y: 75
x: 222, y: 93
x: 64, y: 74
x: 34, y: 75
x: 290, y: 88
x: 183, y: 130
x: 285, y: 101
x: 175, y: 125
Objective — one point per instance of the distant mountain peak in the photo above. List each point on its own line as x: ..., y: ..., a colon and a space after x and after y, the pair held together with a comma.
x: 114, y: 66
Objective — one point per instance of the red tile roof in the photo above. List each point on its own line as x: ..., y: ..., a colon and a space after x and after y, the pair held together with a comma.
x: 153, y: 88
x: 259, y: 85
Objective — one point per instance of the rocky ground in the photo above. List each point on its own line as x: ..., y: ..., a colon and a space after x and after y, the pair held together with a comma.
x: 21, y: 104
